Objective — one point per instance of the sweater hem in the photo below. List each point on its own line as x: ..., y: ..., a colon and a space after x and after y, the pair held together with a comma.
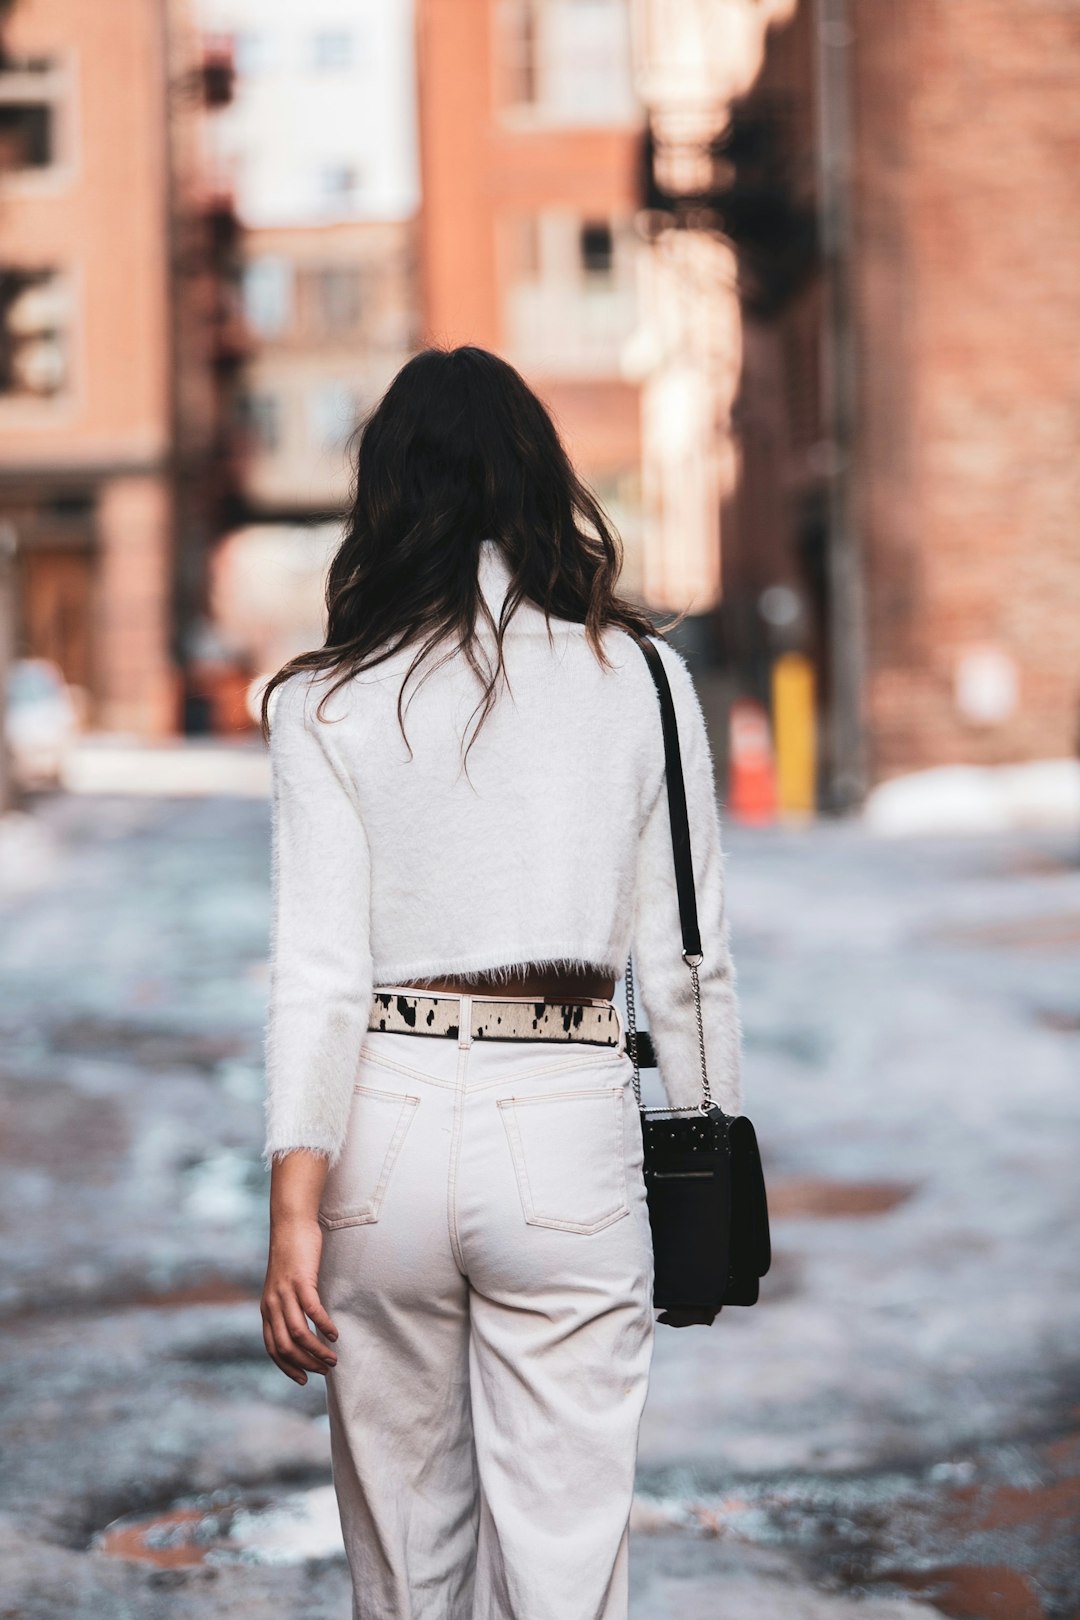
x: 498, y: 966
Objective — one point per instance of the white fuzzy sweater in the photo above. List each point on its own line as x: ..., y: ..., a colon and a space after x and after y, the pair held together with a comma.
x: 554, y: 848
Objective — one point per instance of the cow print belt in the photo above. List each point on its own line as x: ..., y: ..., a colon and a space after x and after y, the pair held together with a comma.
x: 495, y: 1018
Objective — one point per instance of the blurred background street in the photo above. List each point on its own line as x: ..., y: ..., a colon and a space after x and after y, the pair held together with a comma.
x: 797, y: 279
x: 893, y: 1432
x: 800, y: 283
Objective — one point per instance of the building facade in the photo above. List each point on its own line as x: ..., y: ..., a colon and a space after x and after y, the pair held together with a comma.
x: 113, y: 346
x: 530, y: 138
x: 900, y: 187
x: 319, y: 149
x: 967, y: 309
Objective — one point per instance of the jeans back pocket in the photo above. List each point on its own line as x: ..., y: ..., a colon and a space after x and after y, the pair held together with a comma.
x: 356, y: 1186
x: 569, y: 1158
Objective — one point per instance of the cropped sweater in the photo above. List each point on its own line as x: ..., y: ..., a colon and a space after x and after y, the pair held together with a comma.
x: 393, y: 861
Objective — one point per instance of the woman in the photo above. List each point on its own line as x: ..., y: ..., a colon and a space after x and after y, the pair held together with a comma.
x: 469, y: 831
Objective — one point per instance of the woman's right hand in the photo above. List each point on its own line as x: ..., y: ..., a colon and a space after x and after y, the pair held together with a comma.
x: 290, y: 1297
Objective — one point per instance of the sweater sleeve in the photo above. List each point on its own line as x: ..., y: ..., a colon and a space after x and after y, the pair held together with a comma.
x: 664, y: 978
x: 320, y: 952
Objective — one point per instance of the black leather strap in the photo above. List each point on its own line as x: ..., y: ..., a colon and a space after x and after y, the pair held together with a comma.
x: 676, y: 795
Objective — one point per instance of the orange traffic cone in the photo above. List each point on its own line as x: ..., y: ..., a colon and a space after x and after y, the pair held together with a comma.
x: 752, y: 769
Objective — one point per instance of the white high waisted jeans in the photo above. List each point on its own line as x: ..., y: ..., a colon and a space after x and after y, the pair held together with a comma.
x: 488, y: 1263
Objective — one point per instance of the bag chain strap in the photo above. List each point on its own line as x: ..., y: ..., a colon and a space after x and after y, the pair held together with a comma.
x: 684, y: 883
x: 706, y: 1103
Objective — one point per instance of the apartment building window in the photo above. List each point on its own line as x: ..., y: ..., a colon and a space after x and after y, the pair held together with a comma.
x: 253, y: 52
x: 566, y: 61
x: 569, y: 290
x: 261, y: 417
x: 338, y: 182
x: 332, y: 414
x: 26, y: 135
x: 332, y: 299
x: 268, y: 295
x: 34, y: 334
x: 518, y: 38
x: 31, y: 96
x: 520, y: 250
x: 333, y: 49
x: 597, y: 247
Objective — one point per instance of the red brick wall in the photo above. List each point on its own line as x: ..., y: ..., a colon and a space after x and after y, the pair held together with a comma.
x: 476, y: 171
x: 968, y: 307
x: 101, y: 221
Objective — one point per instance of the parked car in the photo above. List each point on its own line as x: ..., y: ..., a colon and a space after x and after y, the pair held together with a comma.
x: 40, y: 722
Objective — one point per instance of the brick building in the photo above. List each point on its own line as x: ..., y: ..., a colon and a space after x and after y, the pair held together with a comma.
x: 967, y: 197
x: 947, y: 274
x: 114, y: 345
x: 319, y: 147
x: 331, y: 313
x: 530, y: 156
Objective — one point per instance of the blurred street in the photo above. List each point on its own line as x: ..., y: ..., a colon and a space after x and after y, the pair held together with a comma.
x: 893, y: 1432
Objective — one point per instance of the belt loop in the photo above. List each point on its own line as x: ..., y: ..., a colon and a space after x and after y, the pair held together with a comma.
x: 464, y: 1022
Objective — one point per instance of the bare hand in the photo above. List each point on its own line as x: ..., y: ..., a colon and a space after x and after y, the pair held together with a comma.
x: 290, y: 1300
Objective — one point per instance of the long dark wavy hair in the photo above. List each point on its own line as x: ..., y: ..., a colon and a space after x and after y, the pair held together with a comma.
x: 459, y: 450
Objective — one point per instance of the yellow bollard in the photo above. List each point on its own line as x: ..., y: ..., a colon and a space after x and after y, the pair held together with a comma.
x: 795, y: 734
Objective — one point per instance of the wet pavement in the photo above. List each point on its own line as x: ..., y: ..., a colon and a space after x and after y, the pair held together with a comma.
x: 893, y: 1432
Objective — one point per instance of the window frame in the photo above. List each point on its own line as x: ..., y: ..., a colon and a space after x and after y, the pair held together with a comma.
x: 54, y: 86
x: 17, y: 405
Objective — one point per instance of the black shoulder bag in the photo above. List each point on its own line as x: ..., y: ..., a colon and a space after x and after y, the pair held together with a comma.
x: 703, y: 1175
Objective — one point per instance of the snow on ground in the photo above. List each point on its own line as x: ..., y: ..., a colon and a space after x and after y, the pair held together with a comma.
x: 891, y: 1433
x: 1041, y: 795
